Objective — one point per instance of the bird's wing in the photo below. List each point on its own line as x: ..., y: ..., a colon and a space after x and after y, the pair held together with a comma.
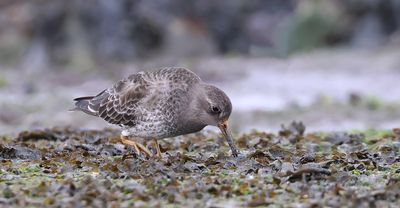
x: 119, y: 104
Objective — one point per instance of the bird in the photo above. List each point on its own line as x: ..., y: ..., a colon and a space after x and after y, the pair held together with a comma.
x: 164, y: 103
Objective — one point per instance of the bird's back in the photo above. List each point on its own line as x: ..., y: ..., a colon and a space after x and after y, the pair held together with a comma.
x: 144, y: 104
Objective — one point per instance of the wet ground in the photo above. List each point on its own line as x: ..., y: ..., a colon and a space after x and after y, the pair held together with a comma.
x: 292, y: 168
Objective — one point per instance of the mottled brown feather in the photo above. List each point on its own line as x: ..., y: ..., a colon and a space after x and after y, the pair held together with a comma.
x: 118, y: 104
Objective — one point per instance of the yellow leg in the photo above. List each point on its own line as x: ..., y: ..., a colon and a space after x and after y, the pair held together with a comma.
x: 144, y: 149
x: 138, y: 147
x: 158, y: 154
x: 126, y: 141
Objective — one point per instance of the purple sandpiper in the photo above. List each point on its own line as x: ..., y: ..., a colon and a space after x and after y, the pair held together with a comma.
x: 165, y: 103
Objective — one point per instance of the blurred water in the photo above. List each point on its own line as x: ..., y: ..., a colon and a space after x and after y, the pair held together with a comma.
x: 277, y: 89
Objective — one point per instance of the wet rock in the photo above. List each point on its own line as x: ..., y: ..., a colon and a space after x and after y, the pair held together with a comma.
x: 307, y: 158
x: 39, y: 135
x: 308, y: 172
x: 113, y: 150
x: 337, y: 138
x: 294, y: 132
x: 18, y: 152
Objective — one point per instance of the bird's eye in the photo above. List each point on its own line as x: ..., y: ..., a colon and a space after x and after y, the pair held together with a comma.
x: 215, y: 110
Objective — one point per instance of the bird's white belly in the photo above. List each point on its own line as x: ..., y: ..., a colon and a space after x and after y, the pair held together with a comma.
x: 148, y: 130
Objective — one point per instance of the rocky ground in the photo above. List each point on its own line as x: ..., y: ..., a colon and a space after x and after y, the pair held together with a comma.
x: 76, y: 168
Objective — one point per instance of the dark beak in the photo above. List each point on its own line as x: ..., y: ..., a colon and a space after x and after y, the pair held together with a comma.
x: 228, y: 136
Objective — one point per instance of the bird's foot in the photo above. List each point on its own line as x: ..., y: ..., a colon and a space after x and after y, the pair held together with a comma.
x: 154, y: 147
x: 138, y: 147
x: 158, y: 151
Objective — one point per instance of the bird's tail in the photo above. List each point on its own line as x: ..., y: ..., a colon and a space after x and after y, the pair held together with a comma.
x: 82, y: 104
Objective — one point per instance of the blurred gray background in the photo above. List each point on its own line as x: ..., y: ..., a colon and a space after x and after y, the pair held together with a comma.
x: 334, y: 64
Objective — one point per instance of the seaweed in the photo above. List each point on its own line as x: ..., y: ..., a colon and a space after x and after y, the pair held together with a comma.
x: 75, y: 168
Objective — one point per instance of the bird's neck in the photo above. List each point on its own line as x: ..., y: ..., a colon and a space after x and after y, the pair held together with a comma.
x: 196, y: 104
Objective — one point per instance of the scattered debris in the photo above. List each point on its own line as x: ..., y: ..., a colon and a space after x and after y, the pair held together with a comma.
x: 76, y: 168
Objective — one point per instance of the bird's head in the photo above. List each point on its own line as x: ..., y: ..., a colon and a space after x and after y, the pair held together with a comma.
x: 216, y: 109
x: 219, y: 106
